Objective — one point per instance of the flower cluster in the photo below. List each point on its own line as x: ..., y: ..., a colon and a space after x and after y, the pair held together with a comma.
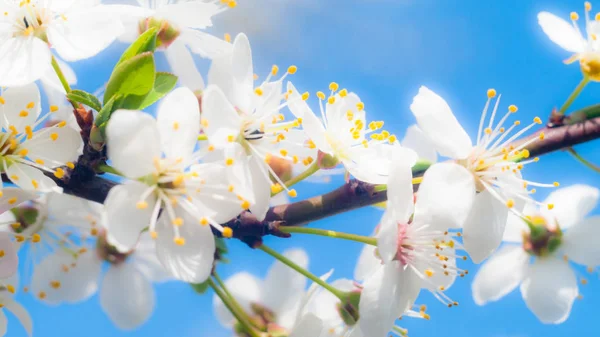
x: 212, y: 159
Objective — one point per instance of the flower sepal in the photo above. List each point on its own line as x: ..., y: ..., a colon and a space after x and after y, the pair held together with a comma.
x: 348, y: 307
x: 167, y: 32
x: 327, y: 161
x: 542, y: 239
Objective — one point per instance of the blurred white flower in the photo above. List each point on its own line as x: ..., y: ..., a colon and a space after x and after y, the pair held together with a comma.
x: 342, y: 133
x: 586, y: 48
x: 483, y: 183
x: 29, y: 29
x: 8, y: 288
x: 268, y: 295
x: 27, y: 151
x: 548, y: 284
x: 160, y: 157
x: 413, y: 252
x: 244, y: 122
x: 181, y: 25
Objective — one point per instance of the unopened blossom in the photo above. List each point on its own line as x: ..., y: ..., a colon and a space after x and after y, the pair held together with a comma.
x: 483, y: 182
x: 8, y: 288
x: 28, y: 150
x: 181, y: 27
x: 537, y: 256
x: 245, y: 123
x: 341, y: 133
x: 30, y: 29
x: 585, y: 45
x: 125, y: 288
x: 160, y: 157
x: 413, y: 253
x: 271, y: 303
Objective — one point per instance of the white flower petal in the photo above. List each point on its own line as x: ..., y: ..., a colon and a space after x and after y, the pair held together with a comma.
x: 385, y: 295
x: 23, y: 61
x: 561, y: 32
x: 178, y: 120
x: 9, y: 262
x: 367, y: 263
x: 515, y: 226
x: 126, y: 296
x: 133, y: 142
x: 193, y: 261
x: 500, y: 275
x: 296, y: 104
x: 123, y: 220
x: 193, y: 14
x: 51, y: 82
x: 580, y: 242
x: 308, y: 325
x: 55, y: 146
x: 145, y: 260
x: 439, y: 124
x: 445, y: 196
x: 549, y: 289
x: 373, y: 164
x: 221, y: 119
x: 21, y: 314
x: 387, y: 236
x: 29, y: 178
x: 204, y: 44
x: 11, y: 197
x: 84, y: 33
x: 416, y: 140
x: 484, y: 227
x: 261, y: 187
x: 246, y: 289
x: 3, y: 323
x: 21, y: 108
x: 571, y: 204
x: 182, y: 64
x: 243, y: 73
x: 399, y: 184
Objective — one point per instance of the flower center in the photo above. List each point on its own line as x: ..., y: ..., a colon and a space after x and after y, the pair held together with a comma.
x: 590, y: 65
x: 32, y: 21
x: 543, y: 239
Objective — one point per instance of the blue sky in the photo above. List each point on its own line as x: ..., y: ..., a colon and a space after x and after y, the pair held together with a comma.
x: 382, y: 50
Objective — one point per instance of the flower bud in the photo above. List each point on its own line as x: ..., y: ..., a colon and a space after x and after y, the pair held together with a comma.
x: 167, y: 32
x: 326, y: 161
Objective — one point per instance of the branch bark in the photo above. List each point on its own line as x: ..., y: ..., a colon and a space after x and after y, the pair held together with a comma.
x: 355, y: 194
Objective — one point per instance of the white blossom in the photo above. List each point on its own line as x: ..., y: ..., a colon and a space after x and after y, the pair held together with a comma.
x: 8, y: 288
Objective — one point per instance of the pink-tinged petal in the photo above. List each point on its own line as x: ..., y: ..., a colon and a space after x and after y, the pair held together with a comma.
x: 23, y: 60
x: 126, y: 296
x: 571, y: 204
x: 561, y: 32
x: 500, y: 275
x: 580, y: 242
x: 484, y: 227
x: 549, y: 289
x: 445, y: 196
x: 133, y: 141
x: 220, y: 119
x: 439, y: 124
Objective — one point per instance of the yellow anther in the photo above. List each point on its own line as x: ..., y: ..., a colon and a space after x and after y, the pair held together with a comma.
x: 258, y: 91
x: 292, y: 193
x: 350, y: 115
x: 276, y: 188
x: 426, y: 316
x: 331, y: 100
x: 537, y: 120
x: 305, y: 96
x: 2, y: 253
x: 227, y: 37
x: 35, y: 184
x: 360, y: 106
x: 23, y: 113
x: 179, y: 241
x: 204, y: 122
x: 333, y: 86
x: 35, y: 238
x: 229, y: 161
x: 392, y: 139
x: 19, y: 238
x: 62, y: 124
x: 501, y: 130
x: 588, y: 6
x: 283, y: 152
x: 245, y: 204
x: 30, y: 105
x: 12, y: 200
x: 274, y: 70
x: 556, y: 184
x: 550, y: 206
x: 574, y: 16
x: 55, y: 284
x: 141, y: 205
x: 429, y: 272
x: 231, y: 138
x: 321, y: 95
x: 510, y: 203
x: 542, y: 136
x: 491, y: 93
x: 533, y: 190
x: 177, y: 221
x: 23, y: 152
x: 227, y: 232
x: 525, y: 153
x: 54, y: 136
x: 343, y: 93
x: 231, y: 3
x: 488, y: 131
x: 2, y: 100
x: 70, y: 165
x: 175, y: 125
x: 94, y: 231
x: 597, y: 18
x: 292, y: 70
x: 513, y: 108
x: 59, y: 173
x: 10, y: 288
x: 584, y: 281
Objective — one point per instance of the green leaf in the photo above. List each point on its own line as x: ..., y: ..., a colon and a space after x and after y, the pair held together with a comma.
x: 200, y: 288
x: 132, y: 77
x: 80, y: 96
x: 163, y: 84
x: 106, y: 111
x: 146, y: 42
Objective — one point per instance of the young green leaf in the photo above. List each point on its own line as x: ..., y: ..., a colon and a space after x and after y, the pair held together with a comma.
x: 104, y: 113
x: 146, y: 42
x: 132, y: 77
x: 85, y: 98
x: 163, y: 84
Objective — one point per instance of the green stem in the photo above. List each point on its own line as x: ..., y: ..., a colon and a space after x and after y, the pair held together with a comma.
x: 312, y: 169
x: 332, y: 234
x: 108, y: 169
x: 60, y: 75
x: 574, y: 95
x: 234, y: 302
x: 239, y: 316
x: 583, y: 160
x: 339, y: 294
